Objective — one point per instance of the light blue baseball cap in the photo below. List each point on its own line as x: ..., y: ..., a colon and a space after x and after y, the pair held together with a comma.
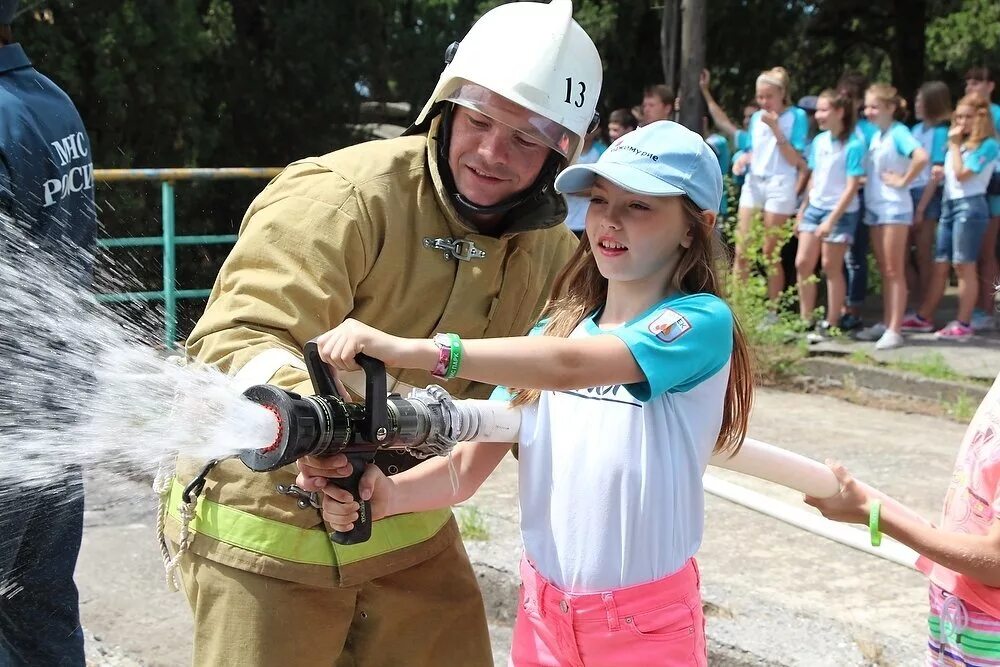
x: 662, y: 159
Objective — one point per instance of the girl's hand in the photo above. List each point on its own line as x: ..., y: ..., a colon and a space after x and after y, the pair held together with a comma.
x: 850, y: 505
x: 770, y: 119
x: 937, y: 173
x: 704, y: 79
x: 955, y: 135
x: 740, y: 166
x: 800, y: 215
x: 893, y: 180
x: 340, y: 510
x: 824, y: 229
x: 340, y: 345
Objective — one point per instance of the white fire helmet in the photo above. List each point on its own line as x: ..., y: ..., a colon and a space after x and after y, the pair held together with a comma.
x: 536, y: 56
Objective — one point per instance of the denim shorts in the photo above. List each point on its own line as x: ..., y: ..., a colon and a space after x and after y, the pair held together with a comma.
x: 933, y: 211
x: 877, y: 218
x: 960, y: 230
x: 994, y: 205
x: 842, y: 232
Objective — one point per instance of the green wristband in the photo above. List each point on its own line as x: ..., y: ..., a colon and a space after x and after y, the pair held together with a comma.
x: 455, y: 361
x: 873, y: 516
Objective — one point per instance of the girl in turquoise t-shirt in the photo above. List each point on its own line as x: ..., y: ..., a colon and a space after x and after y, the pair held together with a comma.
x: 637, y: 352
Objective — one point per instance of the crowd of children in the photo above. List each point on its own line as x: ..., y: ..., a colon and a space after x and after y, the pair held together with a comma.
x: 925, y: 199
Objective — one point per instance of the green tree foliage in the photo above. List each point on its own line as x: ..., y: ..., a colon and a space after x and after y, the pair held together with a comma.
x: 209, y: 83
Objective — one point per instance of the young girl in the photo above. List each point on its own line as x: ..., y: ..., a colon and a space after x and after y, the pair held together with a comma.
x: 637, y: 372
x: 830, y: 211
x: 895, y: 158
x: 962, y: 556
x: 777, y: 139
x: 965, y: 214
x: 932, y: 107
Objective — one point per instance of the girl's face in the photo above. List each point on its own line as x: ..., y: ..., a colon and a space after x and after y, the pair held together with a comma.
x: 636, y: 237
x: 770, y: 98
x: 979, y: 87
x: 878, y: 111
x: 918, y: 106
x: 963, y: 118
x: 827, y: 116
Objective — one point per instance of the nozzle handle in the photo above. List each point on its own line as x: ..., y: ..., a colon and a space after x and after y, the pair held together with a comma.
x: 362, y: 530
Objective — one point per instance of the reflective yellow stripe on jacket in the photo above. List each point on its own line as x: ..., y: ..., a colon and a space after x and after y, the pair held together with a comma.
x: 298, y: 545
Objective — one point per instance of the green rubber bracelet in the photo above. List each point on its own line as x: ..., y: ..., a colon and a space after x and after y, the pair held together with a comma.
x: 873, y: 516
x: 455, y: 361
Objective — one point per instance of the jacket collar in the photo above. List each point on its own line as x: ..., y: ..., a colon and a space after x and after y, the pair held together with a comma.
x: 13, y: 57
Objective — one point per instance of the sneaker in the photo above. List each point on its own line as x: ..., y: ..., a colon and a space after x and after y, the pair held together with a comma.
x: 874, y: 332
x: 889, y: 340
x: 955, y: 331
x: 982, y: 321
x: 916, y: 324
x: 819, y: 333
x: 849, y: 322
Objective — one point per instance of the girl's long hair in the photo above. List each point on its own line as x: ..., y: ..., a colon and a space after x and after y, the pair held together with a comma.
x: 982, y: 123
x: 937, y: 102
x: 848, y: 106
x: 580, y: 289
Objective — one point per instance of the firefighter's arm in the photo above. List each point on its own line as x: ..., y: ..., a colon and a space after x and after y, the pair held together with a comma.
x: 291, y: 276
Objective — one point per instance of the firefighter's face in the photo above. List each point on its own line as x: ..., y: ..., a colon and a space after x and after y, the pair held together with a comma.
x: 490, y: 160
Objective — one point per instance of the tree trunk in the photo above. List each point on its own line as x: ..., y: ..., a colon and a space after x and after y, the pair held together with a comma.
x: 909, y: 20
x: 669, y: 37
x: 693, y: 21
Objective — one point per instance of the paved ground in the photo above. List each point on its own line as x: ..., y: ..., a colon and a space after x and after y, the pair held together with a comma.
x: 775, y: 595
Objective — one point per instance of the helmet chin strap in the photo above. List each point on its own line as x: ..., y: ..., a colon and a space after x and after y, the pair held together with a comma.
x: 471, y: 210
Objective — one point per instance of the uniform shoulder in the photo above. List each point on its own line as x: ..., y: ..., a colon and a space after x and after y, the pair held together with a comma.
x: 333, y: 177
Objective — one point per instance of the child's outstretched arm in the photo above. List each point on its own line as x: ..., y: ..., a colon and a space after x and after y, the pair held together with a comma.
x: 526, y: 362
x: 426, y: 486
x: 975, y: 556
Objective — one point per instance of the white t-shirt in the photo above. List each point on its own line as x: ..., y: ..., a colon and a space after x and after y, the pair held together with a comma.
x: 831, y: 162
x: 611, y: 477
x: 889, y: 151
x: 766, y: 158
x: 981, y: 161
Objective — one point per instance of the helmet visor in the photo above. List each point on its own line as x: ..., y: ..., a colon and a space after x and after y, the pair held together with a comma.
x: 539, y: 128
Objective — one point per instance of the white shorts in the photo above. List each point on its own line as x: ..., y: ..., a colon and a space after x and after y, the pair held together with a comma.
x: 774, y: 194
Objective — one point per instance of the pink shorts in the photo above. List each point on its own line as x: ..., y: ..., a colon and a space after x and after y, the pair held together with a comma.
x: 659, y: 623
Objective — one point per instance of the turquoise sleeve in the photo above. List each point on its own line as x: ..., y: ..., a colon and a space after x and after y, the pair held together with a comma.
x: 754, y: 119
x: 501, y: 394
x: 800, y: 130
x: 855, y: 159
x: 977, y: 160
x: 679, y: 345
x: 939, y: 144
x: 742, y: 140
x: 904, y: 141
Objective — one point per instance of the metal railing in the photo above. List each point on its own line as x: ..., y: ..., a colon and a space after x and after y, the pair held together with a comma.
x: 168, y: 239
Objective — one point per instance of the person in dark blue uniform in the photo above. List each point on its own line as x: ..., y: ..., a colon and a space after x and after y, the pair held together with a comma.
x: 47, y: 214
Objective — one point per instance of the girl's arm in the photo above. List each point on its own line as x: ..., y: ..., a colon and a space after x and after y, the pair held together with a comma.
x: 925, y: 199
x: 789, y: 152
x: 962, y: 173
x: 532, y: 362
x: 719, y: 116
x: 918, y: 160
x: 853, y: 185
x: 975, y: 556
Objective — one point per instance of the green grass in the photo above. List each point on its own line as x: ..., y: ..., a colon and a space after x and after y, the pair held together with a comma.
x: 961, y: 409
x: 930, y: 365
x: 472, y: 523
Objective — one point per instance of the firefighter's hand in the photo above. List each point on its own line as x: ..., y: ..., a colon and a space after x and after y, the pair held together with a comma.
x: 314, y: 471
x: 340, y: 510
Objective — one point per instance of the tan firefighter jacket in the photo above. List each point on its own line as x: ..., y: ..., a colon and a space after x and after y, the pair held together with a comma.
x: 340, y: 236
